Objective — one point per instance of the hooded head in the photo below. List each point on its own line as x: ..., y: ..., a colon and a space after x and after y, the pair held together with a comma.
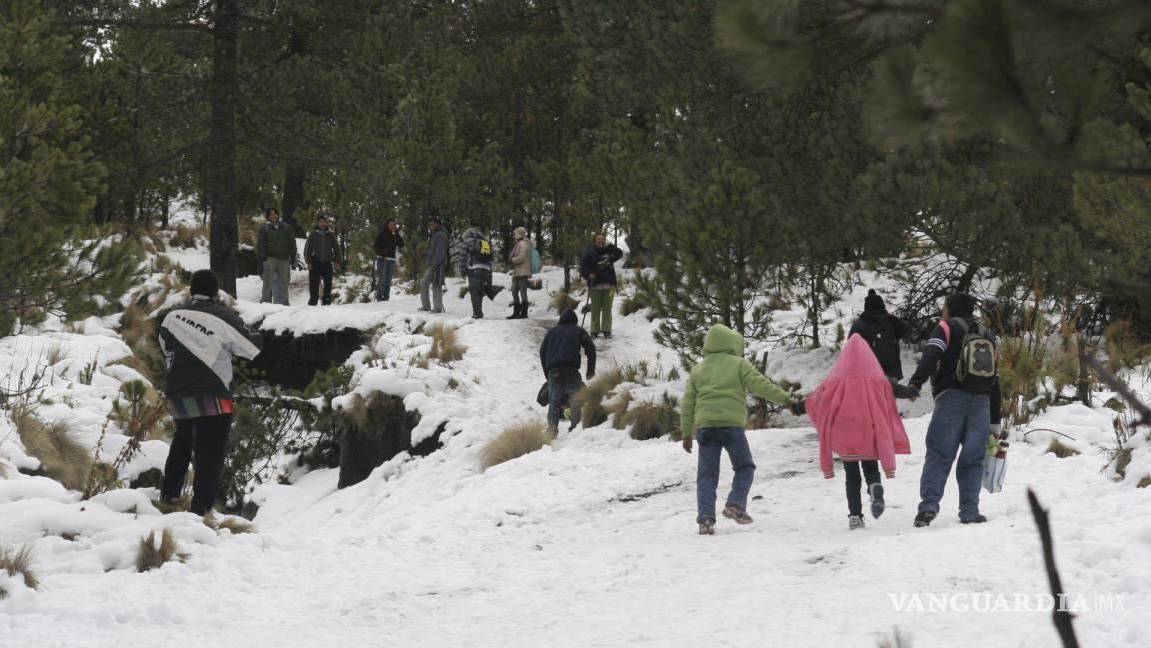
x: 205, y: 284
x: 721, y: 339
x: 568, y: 317
x: 857, y: 360
x: 472, y: 233
x: 873, y: 303
x: 960, y: 305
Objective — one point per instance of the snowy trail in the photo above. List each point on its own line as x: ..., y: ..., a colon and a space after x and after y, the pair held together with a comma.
x: 591, y: 543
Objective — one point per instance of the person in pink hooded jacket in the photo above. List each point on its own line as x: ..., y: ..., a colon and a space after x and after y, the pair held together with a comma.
x: 855, y: 414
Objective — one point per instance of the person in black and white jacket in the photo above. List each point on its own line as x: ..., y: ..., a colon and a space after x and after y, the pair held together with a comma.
x: 199, y: 340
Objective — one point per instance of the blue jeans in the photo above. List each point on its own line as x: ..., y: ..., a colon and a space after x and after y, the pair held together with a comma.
x: 961, y: 418
x: 712, y: 442
x: 563, y: 382
x: 385, y: 270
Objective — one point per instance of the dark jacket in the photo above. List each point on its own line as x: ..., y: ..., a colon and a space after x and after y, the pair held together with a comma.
x: 199, y: 340
x: 388, y: 243
x: 561, y: 345
x: 883, y: 332
x: 322, y: 246
x: 437, y: 254
x: 276, y: 240
x: 600, y: 261
x: 940, y: 360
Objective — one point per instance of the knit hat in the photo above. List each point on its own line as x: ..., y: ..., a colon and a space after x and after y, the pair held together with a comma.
x: 521, y: 232
x: 205, y: 284
x: 873, y: 303
x: 961, y: 305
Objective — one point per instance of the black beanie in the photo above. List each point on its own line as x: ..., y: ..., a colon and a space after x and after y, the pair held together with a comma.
x: 873, y: 303
x: 205, y: 283
x: 961, y: 305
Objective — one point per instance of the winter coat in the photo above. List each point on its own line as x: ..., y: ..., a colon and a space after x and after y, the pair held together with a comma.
x: 521, y: 258
x: 855, y: 413
x: 600, y: 261
x: 199, y: 340
x: 322, y: 246
x: 940, y: 360
x: 437, y: 254
x: 276, y: 241
x: 562, y: 344
x: 716, y: 394
x: 388, y: 243
x: 883, y: 331
x: 470, y: 259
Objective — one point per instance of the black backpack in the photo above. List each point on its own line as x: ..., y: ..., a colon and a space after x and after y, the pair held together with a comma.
x: 882, y: 336
x: 977, y: 367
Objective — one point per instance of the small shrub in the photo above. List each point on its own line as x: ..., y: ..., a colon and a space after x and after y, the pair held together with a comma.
x: 155, y: 550
x: 446, y: 347
x: 1145, y: 482
x: 632, y: 305
x: 515, y: 441
x: 1061, y: 450
x: 139, y: 332
x: 777, y: 303
x: 185, y: 236
x: 562, y: 301
x: 618, y: 409
x: 653, y: 420
x: 1124, y: 349
x: 62, y: 456
x: 590, y: 399
x: 18, y: 562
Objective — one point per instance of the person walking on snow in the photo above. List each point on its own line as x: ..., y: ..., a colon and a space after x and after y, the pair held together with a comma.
x: 322, y: 252
x: 961, y: 360
x: 715, y: 412
x: 521, y: 260
x: 560, y: 360
x: 597, y: 267
x: 199, y: 339
x: 387, y: 247
x: 883, y: 332
x: 436, y: 260
x: 854, y: 412
x: 276, y: 250
x: 476, y: 265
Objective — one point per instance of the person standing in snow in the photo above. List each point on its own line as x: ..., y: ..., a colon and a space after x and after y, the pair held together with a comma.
x: 560, y: 360
x: 322, y: 252
x: 854, y: 412
x: 387, y: 247
x: 436, y: 260
x: 883, y: 332
x: 199, y: 340
x: 276, y: 250
x: 597, y: 267
x: 714, y: 411
x: 521, y: 260
x: 476, y: 265
x: 961, y: 360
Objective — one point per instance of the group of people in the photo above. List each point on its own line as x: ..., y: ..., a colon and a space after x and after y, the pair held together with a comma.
x: 277, y: 253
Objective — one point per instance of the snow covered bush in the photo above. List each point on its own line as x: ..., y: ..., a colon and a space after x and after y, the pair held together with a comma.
x: 155, y: 550
x: 17, y: 563
x: 515, y: 441
x: 62, y: 455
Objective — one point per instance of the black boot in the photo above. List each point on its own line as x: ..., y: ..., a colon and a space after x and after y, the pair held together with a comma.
x: 524, y: 310
x: 515, y: 312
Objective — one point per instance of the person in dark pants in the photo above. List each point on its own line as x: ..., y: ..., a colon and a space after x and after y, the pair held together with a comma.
x: 476, y: 265
x: 961, y: 361
x: 883, y: 333
x: 560, y: 360
x: 387, y: 247
x: 436, y: 261
x: 199, y: 339
x: 322, y: 252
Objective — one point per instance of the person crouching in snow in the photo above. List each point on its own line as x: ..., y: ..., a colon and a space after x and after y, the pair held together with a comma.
x: 715, y: 411
x: 855, y: 414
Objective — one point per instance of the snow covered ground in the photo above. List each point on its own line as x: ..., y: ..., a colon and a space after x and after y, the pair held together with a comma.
x: 588, y: 543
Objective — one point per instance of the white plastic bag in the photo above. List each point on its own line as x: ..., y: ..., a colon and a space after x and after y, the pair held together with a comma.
x: 994, y: 470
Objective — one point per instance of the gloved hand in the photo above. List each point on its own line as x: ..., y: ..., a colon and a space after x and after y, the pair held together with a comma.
x: 915, y: 396
x: 687, y: 444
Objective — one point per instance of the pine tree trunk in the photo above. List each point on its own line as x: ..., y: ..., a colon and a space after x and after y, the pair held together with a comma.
x: 224, y: 233
x: 1083, y: 384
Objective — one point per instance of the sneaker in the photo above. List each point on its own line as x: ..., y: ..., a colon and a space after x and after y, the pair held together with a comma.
x: 855, y: 522
x: 707, y: 527
x: 924, y: 518
x: 877, y: 504
x: 737, y: 513
x: 978, y: 518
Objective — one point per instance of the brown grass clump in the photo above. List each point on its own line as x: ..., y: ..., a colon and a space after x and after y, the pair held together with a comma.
x: 155, y: 550
x: 18, y: 562
x: 139, y: 333
x: 562, y: 301
x: 185, y: 236
x: 1144, y: 483
x: 1061, y: 450
x: 232, y: 523
x: 591, y: 398
x: 515, y: 441
x: 62, y: 455
x: 652, y: 420
x: 446, y: 347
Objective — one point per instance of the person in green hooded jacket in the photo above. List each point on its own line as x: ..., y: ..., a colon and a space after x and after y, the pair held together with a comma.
x: 715, y: 412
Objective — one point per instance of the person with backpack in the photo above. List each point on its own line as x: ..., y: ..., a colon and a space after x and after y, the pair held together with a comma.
x: 961, y: 360
x: 597, y: 267
x: 199, y: 340
x: 714, y: 410
x: 855, y: 415
x: 560, y: 360
x: 476, y: 265
x: 276, y: 250
x: 522, y: 260
x: 883, y: 333
x: 387, y: 247
x: 436, y: 260
x: 322, y: 253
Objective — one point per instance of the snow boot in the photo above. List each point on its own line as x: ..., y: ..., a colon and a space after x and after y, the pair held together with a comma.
x: 606, y: 334
x: 855, y: 522
x: 515, y: 312
x: 978, y: 518
x: 877, y: 503
x: 924, y: 518
x: 707, y: 527
x: 737, y: 513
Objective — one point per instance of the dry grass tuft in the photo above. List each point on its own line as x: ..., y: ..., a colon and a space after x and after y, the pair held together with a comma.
x: 139, y: 333
x: 55, y: 354
x: 232, y: 523
x: 446, y: 346
x: 618, y: 409
x: 155, y: 550
x: 591, y: 398
x: 562, y: 301
x: 1062, y: 450
x: 1144, y: 483
x: 515, y: 441
x: 184, y: 236
x: 62, y: 455
x: 652, y: 420
x: 18, y: 562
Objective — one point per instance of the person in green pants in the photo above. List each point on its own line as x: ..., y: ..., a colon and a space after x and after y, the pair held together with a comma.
x: 597, y: 267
